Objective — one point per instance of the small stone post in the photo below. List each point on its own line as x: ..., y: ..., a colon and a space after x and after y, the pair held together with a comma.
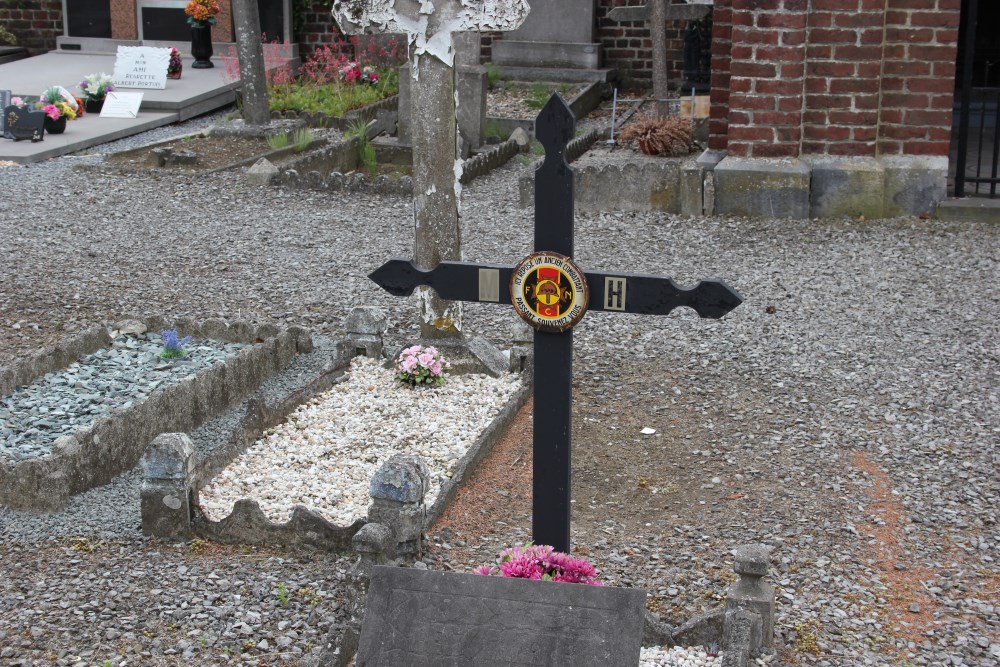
x: 365, y: 327
x: 167, y: 493
x: 250, y: 52
x: 522, y: 350
x: 471, y: 86
x: 397, y: 490
x: 403, y: 133
x: 373, y: 542
x: 751, y: 593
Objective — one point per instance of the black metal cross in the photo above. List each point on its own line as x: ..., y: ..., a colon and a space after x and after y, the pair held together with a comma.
x: 552, y: 294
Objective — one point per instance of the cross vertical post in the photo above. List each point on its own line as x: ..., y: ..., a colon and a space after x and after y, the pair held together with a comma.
x: 553, y: 391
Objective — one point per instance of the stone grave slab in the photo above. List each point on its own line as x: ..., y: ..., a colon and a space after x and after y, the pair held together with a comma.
x: 557, y: 33
x: 422, y: 618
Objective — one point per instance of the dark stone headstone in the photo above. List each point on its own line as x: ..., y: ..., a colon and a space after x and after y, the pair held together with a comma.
x: 23, y: 123
x: 167, y: 24
x: 421, y: 618
x: 88, y: 18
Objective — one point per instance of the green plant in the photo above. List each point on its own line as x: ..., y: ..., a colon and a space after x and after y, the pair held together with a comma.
x: 538, y: 95
x: 565, y: 89
x: 276, y: 141
x: 494, y: 129
x: 492, y: 75
x: 301, y: 139
x: 282, y: 594
x: 6, y: 36
x: 358, y: 129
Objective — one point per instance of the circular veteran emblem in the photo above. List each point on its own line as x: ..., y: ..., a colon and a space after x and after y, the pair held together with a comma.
x: 549, y: 291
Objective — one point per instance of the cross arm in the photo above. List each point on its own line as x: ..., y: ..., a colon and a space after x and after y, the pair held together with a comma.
x: 623, y: 292
x: 653, y: 295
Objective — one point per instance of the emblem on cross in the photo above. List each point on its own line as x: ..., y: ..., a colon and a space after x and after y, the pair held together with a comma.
x: 552, y: 294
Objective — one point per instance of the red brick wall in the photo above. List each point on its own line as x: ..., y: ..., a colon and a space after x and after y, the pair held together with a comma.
x: 918, y: 71
x: 767, y: 70
x: 878, y: 77
x: 842, y: 77
x: 627, y: 45
x: 36, y: 23
x: 722, y: 31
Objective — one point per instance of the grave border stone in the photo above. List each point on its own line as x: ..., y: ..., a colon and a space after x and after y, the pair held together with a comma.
x: 115, y: 443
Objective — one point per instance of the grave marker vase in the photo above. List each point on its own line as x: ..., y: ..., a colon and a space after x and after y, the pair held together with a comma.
x: 55, y: 126
x: 93, y: 105
x: 201, y: 46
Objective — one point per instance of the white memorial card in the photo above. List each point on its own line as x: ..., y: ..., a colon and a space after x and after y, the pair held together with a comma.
x: 121, y: 105
x: 141, y: 67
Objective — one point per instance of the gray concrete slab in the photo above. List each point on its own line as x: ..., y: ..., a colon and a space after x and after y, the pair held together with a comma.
x: 970, y: 210
x: 198, y: 91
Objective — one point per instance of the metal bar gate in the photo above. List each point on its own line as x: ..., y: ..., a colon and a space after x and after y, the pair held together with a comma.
x: 978, y: 148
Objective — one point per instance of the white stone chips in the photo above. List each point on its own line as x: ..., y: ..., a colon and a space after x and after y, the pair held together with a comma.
x: 326, y: 452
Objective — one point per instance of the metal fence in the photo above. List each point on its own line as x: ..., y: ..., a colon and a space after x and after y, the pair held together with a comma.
x: 976, y: 147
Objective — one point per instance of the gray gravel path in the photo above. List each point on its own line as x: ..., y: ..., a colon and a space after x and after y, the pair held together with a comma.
x: 860, y: 418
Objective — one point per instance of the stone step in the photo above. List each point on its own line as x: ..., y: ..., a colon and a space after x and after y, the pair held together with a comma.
x: 556, y: 74
x: 970, y: 209
x: 9, y: 54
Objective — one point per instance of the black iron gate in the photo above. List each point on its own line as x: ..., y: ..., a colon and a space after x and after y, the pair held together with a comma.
x: 976, y: 139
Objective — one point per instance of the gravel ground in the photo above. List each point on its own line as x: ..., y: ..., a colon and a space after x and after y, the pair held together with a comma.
x: 849, y: 409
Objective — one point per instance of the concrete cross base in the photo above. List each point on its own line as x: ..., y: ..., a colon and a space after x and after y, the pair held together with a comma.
x: 472, y: 355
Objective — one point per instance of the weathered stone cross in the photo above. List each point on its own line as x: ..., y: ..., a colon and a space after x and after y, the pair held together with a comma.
x: 551, y: 293
x: 655, y: 13
x: 436, y: 167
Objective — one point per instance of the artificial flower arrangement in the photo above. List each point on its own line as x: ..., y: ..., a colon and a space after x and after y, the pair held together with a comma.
x: 352, y: 72
x: 542, y: 563
x: 95, y: 87
x: 201, y: 13
x: 174, y: 66
x: 57, y: 103
x: 421, y: 365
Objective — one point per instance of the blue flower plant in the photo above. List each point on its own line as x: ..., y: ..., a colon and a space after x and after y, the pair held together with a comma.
x: 172, y: 347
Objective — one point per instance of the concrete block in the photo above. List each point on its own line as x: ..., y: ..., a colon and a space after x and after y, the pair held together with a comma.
x: 691, y: 195
x: 422, y: 617
x: 762, y: 187
x: 970, y: 210
x: 914, y: 184
x: 846, y: 187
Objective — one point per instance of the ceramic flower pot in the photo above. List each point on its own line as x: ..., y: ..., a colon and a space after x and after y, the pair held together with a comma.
x: 201, y: 46
x: 93, y: 105
x: 55, y: 126
x: 176, y: 74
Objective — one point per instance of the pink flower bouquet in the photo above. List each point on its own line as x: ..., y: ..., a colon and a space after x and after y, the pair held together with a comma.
x: 543, y: 564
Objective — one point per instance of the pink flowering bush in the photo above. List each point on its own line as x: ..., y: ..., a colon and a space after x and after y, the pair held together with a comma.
x: 421, y: 365
x: 543, y: 564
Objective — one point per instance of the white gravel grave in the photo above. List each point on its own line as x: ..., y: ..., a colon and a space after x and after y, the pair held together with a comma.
x: 324, y: 455
x: 678, y: 656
